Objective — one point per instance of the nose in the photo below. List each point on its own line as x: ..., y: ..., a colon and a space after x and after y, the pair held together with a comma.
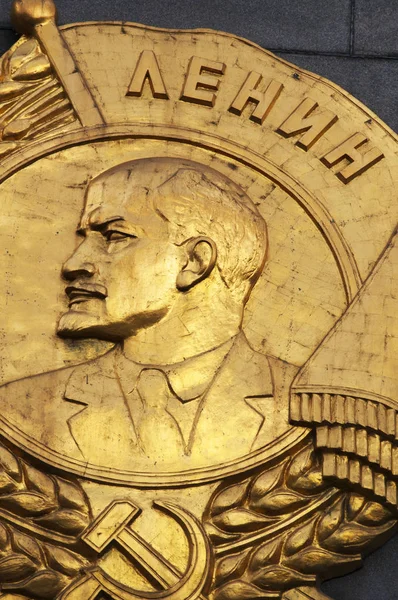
x: 79, y: 264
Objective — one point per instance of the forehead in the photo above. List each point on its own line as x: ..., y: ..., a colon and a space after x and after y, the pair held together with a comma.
x: 121, y: 194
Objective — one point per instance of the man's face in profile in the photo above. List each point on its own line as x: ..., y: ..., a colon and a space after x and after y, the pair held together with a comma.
x: 122, y: 276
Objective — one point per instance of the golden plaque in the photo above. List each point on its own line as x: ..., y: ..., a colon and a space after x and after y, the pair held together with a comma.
x: 199, y: 383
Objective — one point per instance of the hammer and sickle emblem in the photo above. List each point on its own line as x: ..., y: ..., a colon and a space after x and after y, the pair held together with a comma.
x: 112, y: 527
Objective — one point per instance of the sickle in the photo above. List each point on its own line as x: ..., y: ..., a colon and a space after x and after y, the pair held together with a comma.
x: 188, y: 587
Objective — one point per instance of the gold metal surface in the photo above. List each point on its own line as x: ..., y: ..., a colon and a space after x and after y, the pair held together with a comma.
x: 198, y: 375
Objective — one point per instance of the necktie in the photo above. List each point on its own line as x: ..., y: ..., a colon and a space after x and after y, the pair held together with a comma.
x: 158, y: 433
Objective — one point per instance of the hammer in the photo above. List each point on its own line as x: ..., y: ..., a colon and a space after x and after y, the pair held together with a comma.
x: 112, y: 526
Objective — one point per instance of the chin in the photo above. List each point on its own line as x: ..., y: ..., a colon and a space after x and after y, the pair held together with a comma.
x: 81, y: 325
x: 78, y: 325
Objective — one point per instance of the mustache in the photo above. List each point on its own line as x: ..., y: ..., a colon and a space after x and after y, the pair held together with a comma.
x: 85, y: 289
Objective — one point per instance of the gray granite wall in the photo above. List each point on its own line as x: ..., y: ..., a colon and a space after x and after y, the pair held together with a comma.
x: 351, y: 42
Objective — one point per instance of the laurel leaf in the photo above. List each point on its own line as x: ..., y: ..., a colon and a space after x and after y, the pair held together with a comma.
x: 71, y: 495
x: 374, y: 514
x: 279, y: 502
x: 231, y: 566
x: 27, y: 545
x: 331, y: 520
x: 267, y: 553
x: 301, y: 463
x: 17, y: 129
x: 355, y: 502
x: 266, y: 482
x: 329, y: 541
x: 11, y: 89
x: 22, y: 53
x: 300, y: 538
x: 4, y: 539
x: 65, y: 521
x: 238, y: 590
x: 65, y: 561
x: 15, y: 567
x: 36, y: 68
x: 217, y: 536
x: 7, y: 148
x: 39, y: 481
x: 45, y: 585
x: 240, y: 519
x: 10, y: 463
x: 21, y: 568
x: 229, y: 497
x: 28, y: 503
x: 7, y: 483
x: 317, y: 561
x: 349, y: 538
x: 311, y: 481
x: 278, y: 578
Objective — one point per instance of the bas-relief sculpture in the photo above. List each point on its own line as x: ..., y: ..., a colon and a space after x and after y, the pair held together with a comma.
x: 169, y: 255
x: 198, y: 392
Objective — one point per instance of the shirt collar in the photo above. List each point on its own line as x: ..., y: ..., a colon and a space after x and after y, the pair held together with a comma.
x: 188, y: 379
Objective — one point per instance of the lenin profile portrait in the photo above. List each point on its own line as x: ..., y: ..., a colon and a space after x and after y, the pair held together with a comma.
x: 168, y: 253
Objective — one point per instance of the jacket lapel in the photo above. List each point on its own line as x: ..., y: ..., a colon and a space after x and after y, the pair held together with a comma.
x: 101, y: 426
x: 235, y: 409
x: 245, y: 408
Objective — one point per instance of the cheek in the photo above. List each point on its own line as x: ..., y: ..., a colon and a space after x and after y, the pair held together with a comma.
x: 161, y: 272
x: 165, y: 266
x: 142, y: 278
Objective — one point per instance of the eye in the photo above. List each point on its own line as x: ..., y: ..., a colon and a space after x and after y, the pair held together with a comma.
x: 113, y: 235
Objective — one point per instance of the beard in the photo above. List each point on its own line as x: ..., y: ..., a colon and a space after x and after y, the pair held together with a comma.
x: 83, y: 324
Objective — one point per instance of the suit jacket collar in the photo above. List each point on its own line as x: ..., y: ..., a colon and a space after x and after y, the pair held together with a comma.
x: 188, y: 379
x: 192, y: 377
x: 236, y: 406
x: 88, y: 379
x: 240, y: 391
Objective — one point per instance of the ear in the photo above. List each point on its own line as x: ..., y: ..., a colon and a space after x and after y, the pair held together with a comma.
x: 202, y: 257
